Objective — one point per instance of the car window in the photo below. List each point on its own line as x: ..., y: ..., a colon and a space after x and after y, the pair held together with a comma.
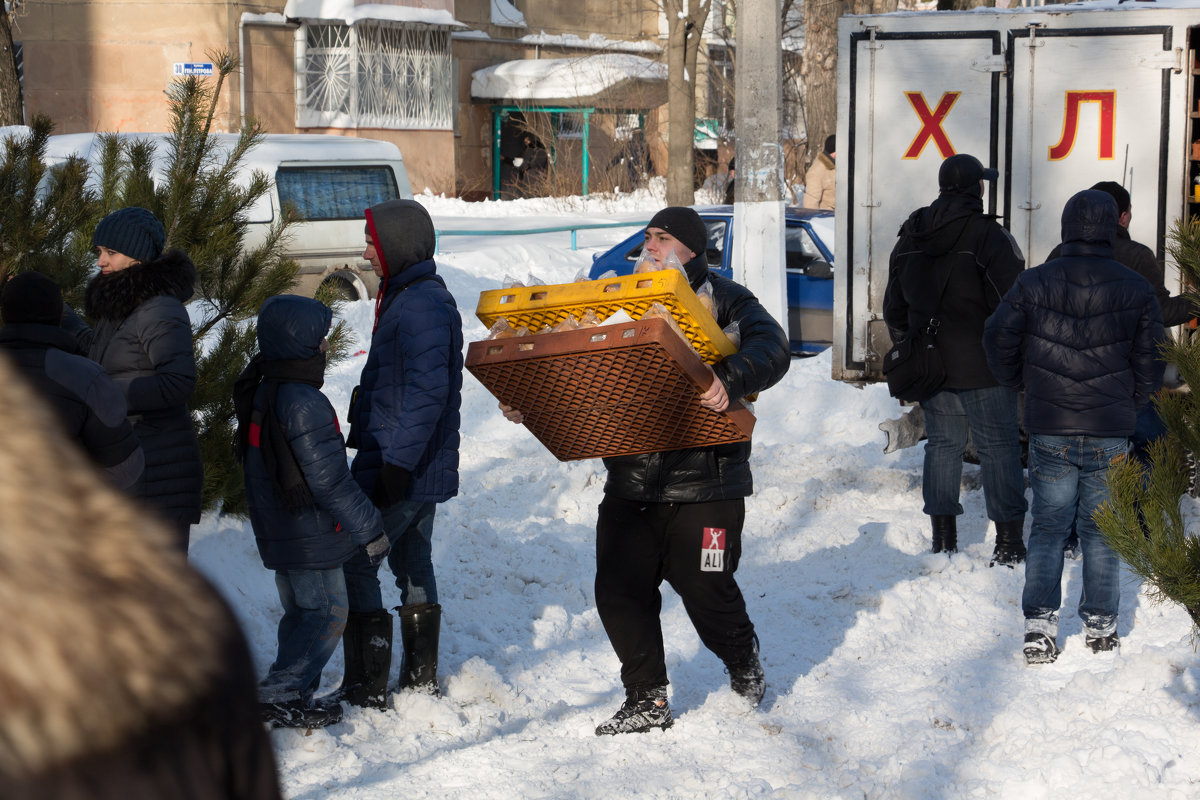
x: 329, y: 193
x: 799, y: 248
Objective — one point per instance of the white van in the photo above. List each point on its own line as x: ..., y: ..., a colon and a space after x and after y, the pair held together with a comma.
x: 330, y: 180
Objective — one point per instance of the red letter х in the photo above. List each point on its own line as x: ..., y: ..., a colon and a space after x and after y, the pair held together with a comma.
x: 931, y: 124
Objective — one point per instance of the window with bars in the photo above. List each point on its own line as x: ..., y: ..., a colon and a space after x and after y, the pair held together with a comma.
x: 375, y: 75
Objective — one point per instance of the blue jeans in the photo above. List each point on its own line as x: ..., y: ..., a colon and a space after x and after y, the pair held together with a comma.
x: 409, y: 527
x: 990, y: 415
x: 314, y: 615
x: 1068, y: 476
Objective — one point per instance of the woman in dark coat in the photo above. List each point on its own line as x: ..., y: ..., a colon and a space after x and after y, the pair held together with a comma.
x: 143, y: 339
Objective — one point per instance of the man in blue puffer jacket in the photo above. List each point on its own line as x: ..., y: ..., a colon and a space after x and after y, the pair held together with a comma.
x: 308, y: 514
x: 405, y: 425
x: 1081, y: 333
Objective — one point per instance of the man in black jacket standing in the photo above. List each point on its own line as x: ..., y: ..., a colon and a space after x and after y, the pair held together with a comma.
x: 1081, y: 333
x: 678, y: 516
x: 953, y: 263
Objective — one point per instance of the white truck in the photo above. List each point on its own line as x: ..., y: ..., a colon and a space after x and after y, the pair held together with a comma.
x: 1056, y: 98
x: 328, y: 179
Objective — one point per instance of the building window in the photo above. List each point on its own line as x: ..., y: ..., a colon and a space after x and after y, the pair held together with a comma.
x: 374, y: 75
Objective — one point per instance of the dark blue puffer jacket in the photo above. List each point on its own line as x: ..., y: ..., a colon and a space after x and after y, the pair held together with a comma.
x: 292, y: 327
x: 1080, y: 332
x: 407, y: 407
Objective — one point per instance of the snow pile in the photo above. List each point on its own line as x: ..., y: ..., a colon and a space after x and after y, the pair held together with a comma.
x: 892, y: 672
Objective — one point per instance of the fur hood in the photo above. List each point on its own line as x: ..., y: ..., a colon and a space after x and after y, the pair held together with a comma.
x: 116, y: 295
x: 104, y: 628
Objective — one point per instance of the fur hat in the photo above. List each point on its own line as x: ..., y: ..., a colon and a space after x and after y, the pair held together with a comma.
x: 961, y: 174
x: 133, y: 232
x: 31, y: 297
x: 685, y: 225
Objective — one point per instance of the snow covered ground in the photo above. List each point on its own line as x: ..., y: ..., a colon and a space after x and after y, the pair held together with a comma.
x: 892, y: 672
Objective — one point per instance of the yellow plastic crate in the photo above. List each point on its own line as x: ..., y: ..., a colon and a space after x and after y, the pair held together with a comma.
x: 538, y: 306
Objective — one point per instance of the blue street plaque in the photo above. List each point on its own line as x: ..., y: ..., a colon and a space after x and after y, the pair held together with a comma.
x: 202, y: 68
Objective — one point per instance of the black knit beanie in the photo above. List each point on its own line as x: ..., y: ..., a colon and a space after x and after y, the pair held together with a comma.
x: 31, y: 297
x: 133, y: 232
x: 685, y: 225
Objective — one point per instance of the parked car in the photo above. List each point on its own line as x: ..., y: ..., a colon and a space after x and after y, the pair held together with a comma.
x: 328, y: 179
x: 809, y: 252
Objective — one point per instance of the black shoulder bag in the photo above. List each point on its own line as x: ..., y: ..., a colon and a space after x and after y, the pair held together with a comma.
x: 914, y: 367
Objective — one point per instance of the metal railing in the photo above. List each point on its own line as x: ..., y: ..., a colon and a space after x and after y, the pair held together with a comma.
x: 574, y: 229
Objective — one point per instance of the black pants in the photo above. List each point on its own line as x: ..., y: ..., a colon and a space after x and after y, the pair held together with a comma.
x: 695, y: 548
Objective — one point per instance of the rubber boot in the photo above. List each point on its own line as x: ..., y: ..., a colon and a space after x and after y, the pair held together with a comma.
x: 945, y: 533
x: 420, y: 624
x: 1010, y: 544
x: 367, y: 646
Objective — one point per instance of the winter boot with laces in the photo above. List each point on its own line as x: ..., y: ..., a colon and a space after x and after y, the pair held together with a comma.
x: 1040, y: 648
x: 644, y: 710
x: 945, y: 533
x: 1010, y: 546
x: 746, y: 676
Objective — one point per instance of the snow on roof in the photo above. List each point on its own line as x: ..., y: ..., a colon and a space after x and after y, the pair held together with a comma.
x: 350, y: 12
x: 593, y: 42
x: 557, y: 78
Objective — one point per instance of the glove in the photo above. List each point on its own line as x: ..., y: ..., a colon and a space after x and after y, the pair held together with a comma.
x: 391, y: 486
x: 377, y: 549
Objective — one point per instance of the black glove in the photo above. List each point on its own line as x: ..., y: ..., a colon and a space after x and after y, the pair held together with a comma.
x: 391, y: 486
x: 377, y: 549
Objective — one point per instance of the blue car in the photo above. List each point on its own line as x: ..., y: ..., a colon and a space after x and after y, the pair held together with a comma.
x: 809, y: 251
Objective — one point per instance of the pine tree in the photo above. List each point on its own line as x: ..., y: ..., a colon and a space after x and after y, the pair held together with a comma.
x: 42, y: 209
x: 1143, y: 518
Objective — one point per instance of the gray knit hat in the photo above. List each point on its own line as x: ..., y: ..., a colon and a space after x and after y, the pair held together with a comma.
x: 131, y: 231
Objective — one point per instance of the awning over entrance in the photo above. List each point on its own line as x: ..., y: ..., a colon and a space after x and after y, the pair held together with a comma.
x: 350, y: 12
x: 588, y: 81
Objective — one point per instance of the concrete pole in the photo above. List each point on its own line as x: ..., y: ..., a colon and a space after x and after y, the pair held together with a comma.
x: 758, y: 224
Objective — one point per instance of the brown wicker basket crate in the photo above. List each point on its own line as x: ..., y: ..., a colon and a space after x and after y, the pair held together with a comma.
x: 608, y: 391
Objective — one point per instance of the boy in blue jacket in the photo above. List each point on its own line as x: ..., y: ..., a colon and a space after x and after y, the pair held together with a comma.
x: 308, y: 514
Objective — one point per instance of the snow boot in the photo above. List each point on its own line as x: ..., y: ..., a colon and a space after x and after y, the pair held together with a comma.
x: 367, y: 647
x: 1010, y: 546
x: 296, y: 714
x: 945, y: 533
x: 643, y: 710
x: 1039, y: 648
x: 1103, y: 644
x: 746, y: 675
x: 420, y: 625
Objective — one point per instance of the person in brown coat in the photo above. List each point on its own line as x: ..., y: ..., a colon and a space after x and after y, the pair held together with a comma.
x: 124, y: 674
x: 820, y: 182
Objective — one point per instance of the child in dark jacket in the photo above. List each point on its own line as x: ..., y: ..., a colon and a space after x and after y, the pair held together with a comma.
x: 308, y: 514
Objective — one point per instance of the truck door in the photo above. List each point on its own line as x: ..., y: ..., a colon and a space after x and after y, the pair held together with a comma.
x: 908, y: 100
x: 1089, y: 104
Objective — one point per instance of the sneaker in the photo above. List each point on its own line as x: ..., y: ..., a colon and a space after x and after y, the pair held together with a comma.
x: 747, y: 679
x: 295, y: 714
x: 643, y: 710
x: 1103, y: 644
x: 1039, y: 648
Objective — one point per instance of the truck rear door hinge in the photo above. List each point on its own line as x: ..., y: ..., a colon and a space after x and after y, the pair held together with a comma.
x: 1163, y: 59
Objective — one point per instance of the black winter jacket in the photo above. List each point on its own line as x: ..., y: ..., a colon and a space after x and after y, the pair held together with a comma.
x: 341, y: 518
x: 1081, y: 333
x: 143, y: 339
x: 952, y: 244
x: 90, y: 407
x: 720, y: 472
x: 1139, y: 258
